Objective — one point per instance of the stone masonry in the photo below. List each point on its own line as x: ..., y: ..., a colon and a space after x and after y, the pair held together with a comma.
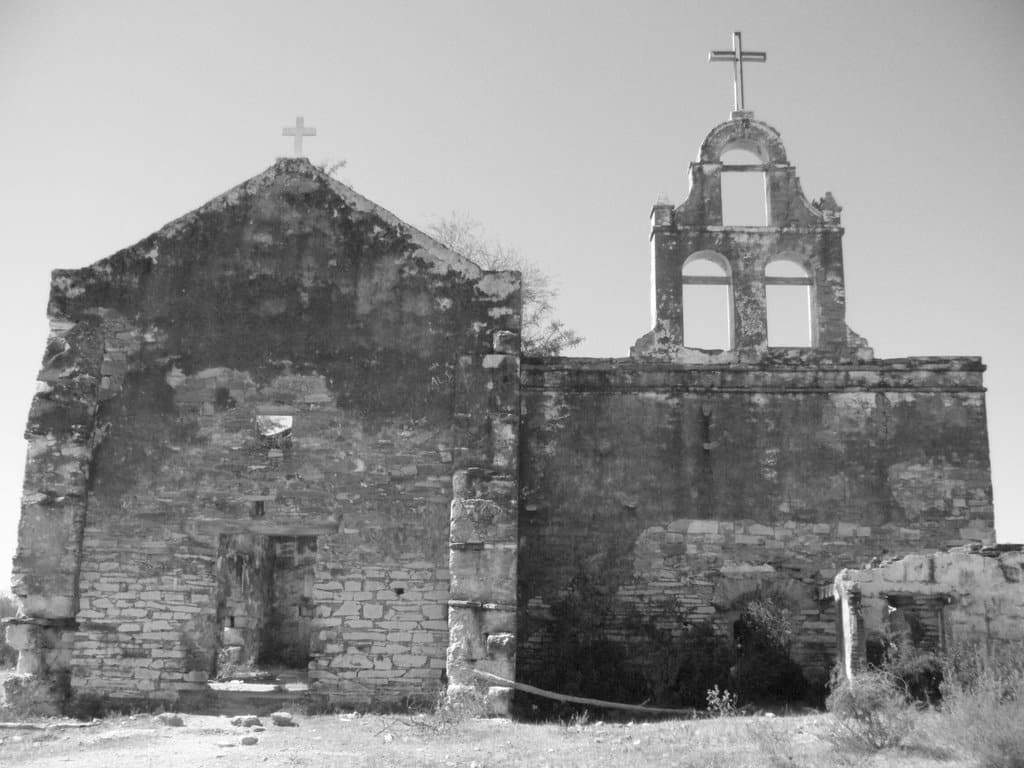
x: 668, y: 490
x: 290, y: 429
x: 290, y: 360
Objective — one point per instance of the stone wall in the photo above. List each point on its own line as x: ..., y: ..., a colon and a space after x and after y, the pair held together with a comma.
x: 290, y: 360
x: 656, y: 496
x: 967, y: 596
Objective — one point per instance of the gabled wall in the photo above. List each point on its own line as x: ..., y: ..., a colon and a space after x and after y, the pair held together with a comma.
x: 290, y: 296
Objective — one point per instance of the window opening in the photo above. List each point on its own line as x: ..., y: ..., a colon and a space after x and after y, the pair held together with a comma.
x: 274, y: 427
x: 274, y: 432
x: 744, y: 190
x: 787, y: 288
x: 707, y: 305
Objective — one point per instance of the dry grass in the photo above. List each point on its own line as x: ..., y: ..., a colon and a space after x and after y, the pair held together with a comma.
x: 375, y: 740
x: 870, y: 713
x: 982, y: 710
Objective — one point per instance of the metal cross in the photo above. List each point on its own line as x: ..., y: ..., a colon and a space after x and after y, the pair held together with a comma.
x: 298, y: 132
x: 737, y: 56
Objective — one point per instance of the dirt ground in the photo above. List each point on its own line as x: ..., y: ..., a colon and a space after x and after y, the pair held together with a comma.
x: 352, y: 740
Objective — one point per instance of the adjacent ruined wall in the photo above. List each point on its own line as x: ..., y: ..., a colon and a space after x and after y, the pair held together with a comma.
x: 969, y: 596
x: 655, y: 496
x: 288, y: 298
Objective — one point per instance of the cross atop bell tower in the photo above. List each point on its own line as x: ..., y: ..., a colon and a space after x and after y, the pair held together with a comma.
x: 737, y: 56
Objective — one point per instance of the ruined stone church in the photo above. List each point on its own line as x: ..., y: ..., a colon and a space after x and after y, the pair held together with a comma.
x: 289, y: 430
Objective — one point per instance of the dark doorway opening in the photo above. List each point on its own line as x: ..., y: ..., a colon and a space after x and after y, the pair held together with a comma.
x: 265, y: 606
x: 284, y: 636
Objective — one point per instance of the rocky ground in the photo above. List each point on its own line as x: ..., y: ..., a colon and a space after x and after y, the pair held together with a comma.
x: 353, y: 740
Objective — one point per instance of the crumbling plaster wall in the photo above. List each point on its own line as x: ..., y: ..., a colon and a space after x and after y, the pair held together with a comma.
x: 976, y: 595
x: 289, y: 296
x: 658, y: 495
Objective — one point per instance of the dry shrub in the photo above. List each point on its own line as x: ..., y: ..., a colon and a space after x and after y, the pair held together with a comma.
x: 28, y: 696
x: 764, y: 670
x: 454, y: 707
x: 982, y: 713
x: 703, y: 660
x: 871, y: 712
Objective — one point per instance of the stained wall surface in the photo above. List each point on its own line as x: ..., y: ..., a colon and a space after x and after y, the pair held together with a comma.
x: 290, y: 360
x: 657, y: 496
x: 292, y: 363
x: 672, y: 489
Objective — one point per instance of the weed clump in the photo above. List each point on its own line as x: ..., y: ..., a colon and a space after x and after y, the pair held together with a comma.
x: 704, y: 661
x: 982, y: 711
x: 722, y: 703
x: 870, y: 712
x: 454, y: 707
x: 764, y: 669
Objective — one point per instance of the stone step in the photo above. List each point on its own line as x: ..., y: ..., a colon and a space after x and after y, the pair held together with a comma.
x: 249, y: 700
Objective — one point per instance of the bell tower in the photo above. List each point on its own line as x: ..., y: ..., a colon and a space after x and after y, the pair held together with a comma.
x: 807, y: 236
x: 801, y: 237
x: 796, y: 245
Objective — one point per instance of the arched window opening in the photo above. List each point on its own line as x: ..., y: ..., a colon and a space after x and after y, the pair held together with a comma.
x: 707, y: 304
x: 744, y: 190
x: 787, y: 287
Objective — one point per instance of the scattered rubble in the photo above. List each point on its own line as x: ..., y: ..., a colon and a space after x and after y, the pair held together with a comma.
x: 283, y: 719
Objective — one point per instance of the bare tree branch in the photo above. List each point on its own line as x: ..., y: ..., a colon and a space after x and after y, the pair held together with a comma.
x: 542, y: 333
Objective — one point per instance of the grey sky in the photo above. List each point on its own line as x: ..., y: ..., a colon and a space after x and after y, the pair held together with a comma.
x: 556, y: 125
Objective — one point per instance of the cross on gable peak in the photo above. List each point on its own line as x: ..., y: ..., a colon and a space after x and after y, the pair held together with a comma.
x: 737, y: 56
x: 298, y: 131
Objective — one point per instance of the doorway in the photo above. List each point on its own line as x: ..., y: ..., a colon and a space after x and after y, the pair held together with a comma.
x: 264, y: 606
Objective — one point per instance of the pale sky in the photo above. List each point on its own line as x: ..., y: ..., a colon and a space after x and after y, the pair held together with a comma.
x: 554, y: 124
